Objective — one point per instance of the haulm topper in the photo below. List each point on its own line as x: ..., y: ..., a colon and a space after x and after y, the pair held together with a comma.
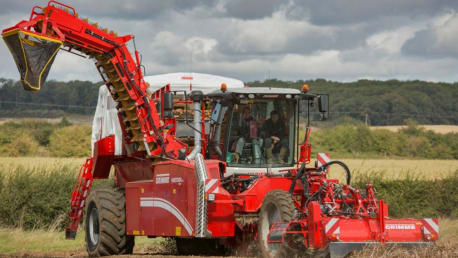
x: 240, y: 184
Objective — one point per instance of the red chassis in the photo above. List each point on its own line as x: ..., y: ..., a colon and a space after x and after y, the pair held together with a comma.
x: 170, y: 191
x: 342, y: 219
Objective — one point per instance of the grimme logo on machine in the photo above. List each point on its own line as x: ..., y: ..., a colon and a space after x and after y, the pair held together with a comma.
x: 162, y: 178
x: 400, y: 226
x: 177, y: 180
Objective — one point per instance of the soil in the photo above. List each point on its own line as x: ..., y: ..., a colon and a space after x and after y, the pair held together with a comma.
x: 84, y: 254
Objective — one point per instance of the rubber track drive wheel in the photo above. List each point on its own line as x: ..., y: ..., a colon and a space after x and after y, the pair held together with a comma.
x: 105, y: 223
x: 277, y: 206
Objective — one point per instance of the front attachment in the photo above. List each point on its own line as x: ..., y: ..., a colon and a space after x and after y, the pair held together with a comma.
x: 33, y: 54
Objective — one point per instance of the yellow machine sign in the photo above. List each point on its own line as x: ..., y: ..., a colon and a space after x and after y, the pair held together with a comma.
x: 178, y: 231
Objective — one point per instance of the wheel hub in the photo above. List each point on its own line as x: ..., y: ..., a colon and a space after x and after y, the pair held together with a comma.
x: 94, y: 226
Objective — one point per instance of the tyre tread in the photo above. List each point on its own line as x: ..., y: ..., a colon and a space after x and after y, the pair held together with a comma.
x: 113, y: 239
x: 284, y: 203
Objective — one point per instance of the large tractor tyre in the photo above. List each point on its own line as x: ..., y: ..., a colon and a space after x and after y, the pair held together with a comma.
x: 277, y: 206
x: 105, y: 223
x: 199, y: 246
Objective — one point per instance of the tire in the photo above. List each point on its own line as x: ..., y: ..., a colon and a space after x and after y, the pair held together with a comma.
x: 277, y: 206
x: 105, y: 223
x: 199, y: 246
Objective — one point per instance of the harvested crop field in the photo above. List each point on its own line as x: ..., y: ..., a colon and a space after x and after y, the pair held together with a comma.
x: 435, y: 128
x: 389, y: 168
x: 74, y: 119
x: 39, y: 163
x: 402, y: 168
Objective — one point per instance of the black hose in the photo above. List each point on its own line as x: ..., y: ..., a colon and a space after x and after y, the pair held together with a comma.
x: 347, y: 170
x: 299, y: 174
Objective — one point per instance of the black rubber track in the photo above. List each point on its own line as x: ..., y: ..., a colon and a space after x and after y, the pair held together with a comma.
x: 282, y: 201
x: 111, y: 205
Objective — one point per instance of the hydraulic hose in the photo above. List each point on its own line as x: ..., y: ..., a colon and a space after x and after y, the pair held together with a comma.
x: 299, y: 174
x: 347, y: 170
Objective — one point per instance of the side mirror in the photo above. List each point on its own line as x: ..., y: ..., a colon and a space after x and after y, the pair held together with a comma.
x: 168, y: 101
x: 323, y: 106
x: 323, y: 103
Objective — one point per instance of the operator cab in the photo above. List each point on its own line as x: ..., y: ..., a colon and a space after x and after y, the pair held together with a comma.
x: 255, y: 129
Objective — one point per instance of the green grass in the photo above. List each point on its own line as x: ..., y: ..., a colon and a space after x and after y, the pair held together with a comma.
x: 16, y: 240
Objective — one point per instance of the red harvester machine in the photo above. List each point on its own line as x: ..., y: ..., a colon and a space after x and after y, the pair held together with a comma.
x: 232, y: 187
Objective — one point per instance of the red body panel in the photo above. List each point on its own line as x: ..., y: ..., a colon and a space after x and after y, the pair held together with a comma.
x: 124, y: 167
x: 166, y: 204
x: 103, y: 157
x: 163, y: 206
x: 252, y: 198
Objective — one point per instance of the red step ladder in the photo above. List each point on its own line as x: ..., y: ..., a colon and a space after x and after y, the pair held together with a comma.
x: 81, y: 191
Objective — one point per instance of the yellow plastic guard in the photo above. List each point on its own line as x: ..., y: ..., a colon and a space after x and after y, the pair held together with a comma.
x: 33, y: 54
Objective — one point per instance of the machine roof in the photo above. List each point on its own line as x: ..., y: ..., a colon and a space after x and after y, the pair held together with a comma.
x: 200, y: 81
x: 256, y: 90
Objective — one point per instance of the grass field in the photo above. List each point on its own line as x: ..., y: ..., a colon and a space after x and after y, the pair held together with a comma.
x: 53, y: 243
x: 389, y: 168
x: 40, y: 163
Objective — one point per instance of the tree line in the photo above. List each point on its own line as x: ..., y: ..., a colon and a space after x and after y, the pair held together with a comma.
x: 389, y: 102
x: 54, y: 99
x: 375, y: 102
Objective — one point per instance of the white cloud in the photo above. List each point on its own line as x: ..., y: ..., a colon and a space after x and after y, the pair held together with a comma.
x: 446, y: 31
x: 68, y: 67
x: 391, y: 41
x: 200, y: 46
x: 272, y: 34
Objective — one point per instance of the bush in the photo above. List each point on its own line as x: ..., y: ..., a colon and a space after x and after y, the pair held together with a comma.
x: 24, y: 145
x: 37, y: 197
x: 32, y: 199
x: 360, y: 141
x: 413, y: 197
x: 25, y: 138
x: 71, y: 141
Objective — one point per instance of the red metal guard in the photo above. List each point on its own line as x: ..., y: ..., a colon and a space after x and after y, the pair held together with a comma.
x: 82, y: 187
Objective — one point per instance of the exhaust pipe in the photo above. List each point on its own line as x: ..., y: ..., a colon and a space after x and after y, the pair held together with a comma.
x: 196, y: 97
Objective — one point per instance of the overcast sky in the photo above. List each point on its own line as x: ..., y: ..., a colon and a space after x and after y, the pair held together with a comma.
x: 343, y: 40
